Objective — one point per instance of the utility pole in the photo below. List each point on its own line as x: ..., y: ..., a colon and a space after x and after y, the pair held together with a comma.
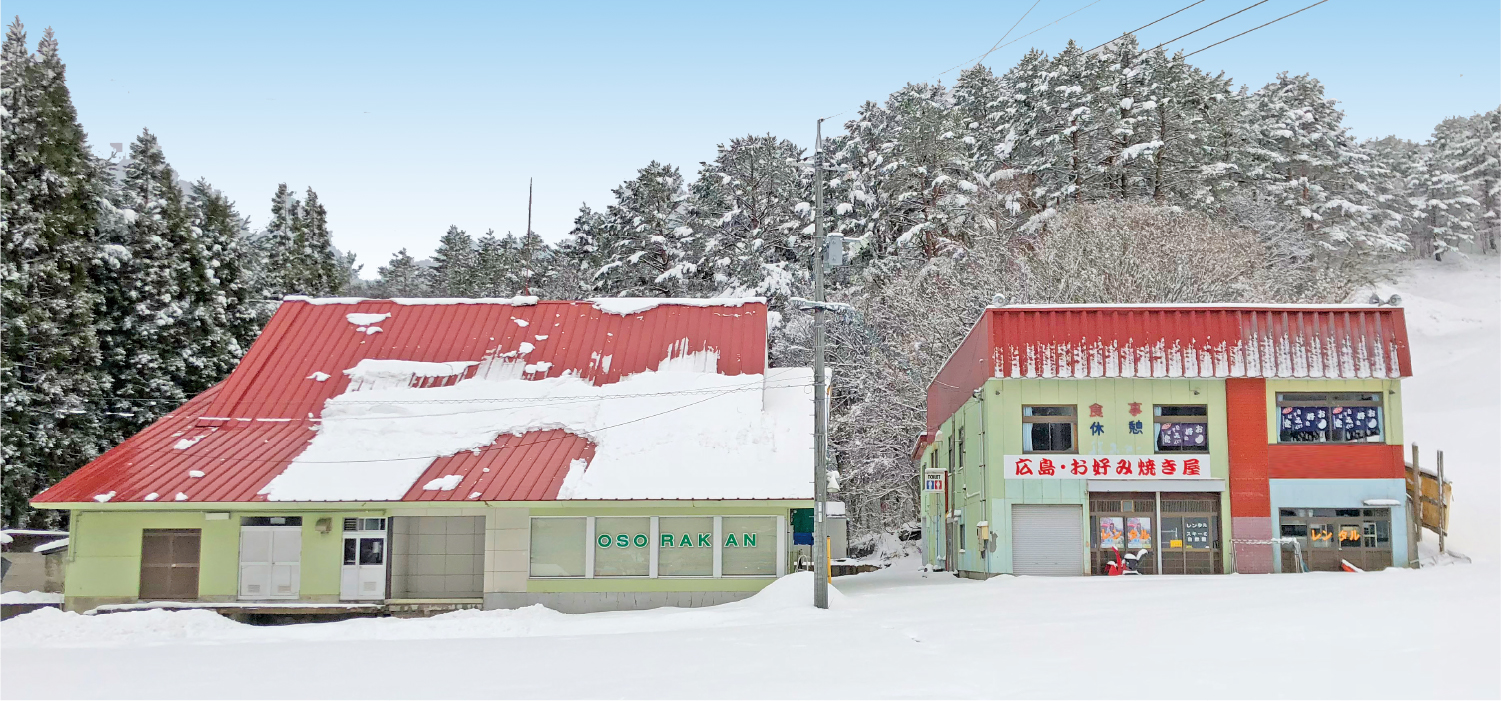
x: 528, y: 288
x: 820, y: 398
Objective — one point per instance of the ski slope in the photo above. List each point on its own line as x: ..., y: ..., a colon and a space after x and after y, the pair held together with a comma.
x: 900, y: 633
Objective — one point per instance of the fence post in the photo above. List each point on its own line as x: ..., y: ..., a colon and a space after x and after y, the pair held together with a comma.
x: 1443, y: 505
x: 1417, y: 494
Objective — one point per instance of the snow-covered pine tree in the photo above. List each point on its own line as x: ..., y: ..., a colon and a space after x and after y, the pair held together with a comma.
x: 1440, y: 198
x: 579, y: 255
x: 317, y: 269
x: 225, y: 309
x: 493, y: 264
x: 401, y: 277
x: 454, y: 266
x: 1310, y: 166
x: 278, y: 245
x: 532, y: 263
x: 149, y: 289
x: 653, y: 247
x: 49, y: 366
x: 744, y: 209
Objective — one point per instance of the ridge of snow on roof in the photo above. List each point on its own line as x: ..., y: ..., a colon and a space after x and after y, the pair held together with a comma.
x: 625, y: 306
x: 251, y: 426
x: 1192, y: 305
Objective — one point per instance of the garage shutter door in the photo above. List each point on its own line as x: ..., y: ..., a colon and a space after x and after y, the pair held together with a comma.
x: 1046, y: 539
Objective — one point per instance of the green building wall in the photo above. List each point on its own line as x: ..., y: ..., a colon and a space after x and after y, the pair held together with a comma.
x: 993, y: 428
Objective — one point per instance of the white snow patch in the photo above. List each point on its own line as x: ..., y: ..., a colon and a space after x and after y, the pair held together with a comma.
x: 523, y: 323
x: 365, y: 319
x: 385, y: 374
x: 626, y: 306
x: 101, y: 498
x: 186, y: 443
x: 541, y: 338
x: 371, y: 331
x: 151, y: 497
x: 30, y: 597
x: 195, y: 473
x: 446, y: 483
x: 50, y: 546
x: 180, y: 497
x: 526, y: 347
x: 517, y: 301
x: 691, y: 434
x: 319, y: 377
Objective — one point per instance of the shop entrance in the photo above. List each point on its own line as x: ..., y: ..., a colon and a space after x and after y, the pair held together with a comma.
x: 1363, y: 537
x: 1183, y: 537
x: 1045, y: 539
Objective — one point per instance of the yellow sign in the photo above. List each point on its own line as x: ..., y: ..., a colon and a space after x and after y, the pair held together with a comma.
x: 1175, y: 544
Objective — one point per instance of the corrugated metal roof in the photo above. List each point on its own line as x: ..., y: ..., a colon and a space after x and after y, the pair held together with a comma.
x: 1173, y: 341
x: 250, y: 426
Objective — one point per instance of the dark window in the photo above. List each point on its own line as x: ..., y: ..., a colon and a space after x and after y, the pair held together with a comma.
x: 1048, y: 429
x: 372, y: 551
x: 1306, y: 417
x: 961, y: 446
x: 1181, y: 428
x: 351, y: 545
x: 271, y: 521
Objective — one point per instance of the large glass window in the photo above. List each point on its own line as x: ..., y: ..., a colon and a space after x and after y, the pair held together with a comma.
x: 1305, y: 417
x: 1048, y: 429
x: 558, y: 547
x: 622, y: 546
x: 1181, y: 428
x: 685, y: 546
x: 750, y: 545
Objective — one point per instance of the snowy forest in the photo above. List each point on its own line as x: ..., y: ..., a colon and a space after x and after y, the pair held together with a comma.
x: 1109, y: 175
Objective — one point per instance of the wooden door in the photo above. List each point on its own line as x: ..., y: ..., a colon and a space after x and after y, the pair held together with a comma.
x: 169, y: 563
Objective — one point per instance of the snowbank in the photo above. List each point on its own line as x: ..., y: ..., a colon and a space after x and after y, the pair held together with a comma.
x: 626, y: 306
x: 679, y: 432
x: 30, y: 597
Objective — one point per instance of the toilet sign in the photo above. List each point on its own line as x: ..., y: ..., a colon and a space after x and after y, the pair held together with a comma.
x: 933, y: 480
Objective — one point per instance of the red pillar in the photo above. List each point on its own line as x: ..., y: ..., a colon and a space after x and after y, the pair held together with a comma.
x: 1250, y: 498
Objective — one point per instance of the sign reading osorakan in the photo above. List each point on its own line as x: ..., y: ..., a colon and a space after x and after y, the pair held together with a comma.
x: 1152, y: 467
x: 680, y: 540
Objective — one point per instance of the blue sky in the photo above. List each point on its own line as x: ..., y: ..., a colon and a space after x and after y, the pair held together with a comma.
x: 408, y: 117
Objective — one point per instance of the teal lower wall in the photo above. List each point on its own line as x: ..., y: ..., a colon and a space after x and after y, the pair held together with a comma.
x: 1341, y: 494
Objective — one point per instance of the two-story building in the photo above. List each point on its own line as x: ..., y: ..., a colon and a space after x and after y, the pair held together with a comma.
x: 1216, y: 438
x: 423, y: 455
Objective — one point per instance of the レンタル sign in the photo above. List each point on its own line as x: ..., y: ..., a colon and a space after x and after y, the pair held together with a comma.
x: 1115, y: 467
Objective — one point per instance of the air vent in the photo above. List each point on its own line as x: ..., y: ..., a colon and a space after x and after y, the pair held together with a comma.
x: 351, y: 524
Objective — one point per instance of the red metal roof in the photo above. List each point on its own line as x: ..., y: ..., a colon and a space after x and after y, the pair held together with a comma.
x: 256, y: 421
x: 1173, y: 341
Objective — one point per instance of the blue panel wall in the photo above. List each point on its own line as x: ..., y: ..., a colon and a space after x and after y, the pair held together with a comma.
x: 1342, y: 494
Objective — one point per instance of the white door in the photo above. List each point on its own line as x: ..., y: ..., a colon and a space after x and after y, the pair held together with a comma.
x: 270, y: 561
x: 1047, y: 539
x: 363, y: 574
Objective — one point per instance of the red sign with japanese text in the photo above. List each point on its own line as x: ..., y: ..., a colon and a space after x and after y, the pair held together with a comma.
x: 1114, y: 467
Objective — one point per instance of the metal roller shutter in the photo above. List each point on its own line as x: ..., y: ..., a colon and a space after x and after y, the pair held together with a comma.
x: 1047, y: 539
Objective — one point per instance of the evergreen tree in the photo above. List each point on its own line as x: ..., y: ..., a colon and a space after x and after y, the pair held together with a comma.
x: 224, y: 306
x: 493, y: 266
x: 147, y: 329
x: 401, y: 277
x: 454, y: 266
x: 279, y: 246
x: 651, y: 251
x: 745, y: 210
x: 317, y: 269
x: 49, y: 367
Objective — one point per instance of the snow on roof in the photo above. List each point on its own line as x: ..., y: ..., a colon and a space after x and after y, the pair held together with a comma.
x: 517, y: 301
x: 693, y: 434
x: 625, y: 306
x: 50, y: 546
x: 28, y: 531
x: 1190, y: 305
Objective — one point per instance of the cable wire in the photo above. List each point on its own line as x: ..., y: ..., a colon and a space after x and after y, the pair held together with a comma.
x: 1200, y: 29
x: 1148, y: 24
x: 1248, y: 31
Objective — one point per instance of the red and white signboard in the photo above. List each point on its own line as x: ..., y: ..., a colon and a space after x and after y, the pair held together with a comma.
x: 1115, y: 467
x: 933, y: 480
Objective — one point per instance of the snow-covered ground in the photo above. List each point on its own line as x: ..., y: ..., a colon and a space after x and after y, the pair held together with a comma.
x: 899, y: 633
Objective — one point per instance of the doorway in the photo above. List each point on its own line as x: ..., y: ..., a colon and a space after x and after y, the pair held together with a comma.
x: 363, y: 574
x: 270, y: 557
x: 169, y: 563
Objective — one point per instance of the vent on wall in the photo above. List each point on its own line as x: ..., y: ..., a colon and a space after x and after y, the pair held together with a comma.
x: 351, y: 524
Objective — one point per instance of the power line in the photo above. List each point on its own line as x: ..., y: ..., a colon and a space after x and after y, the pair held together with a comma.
x: 1211, y: 24
x: 1148, y: 24
x: 1248, y: 31
x: 997, y: 43
x: 1024, y: 36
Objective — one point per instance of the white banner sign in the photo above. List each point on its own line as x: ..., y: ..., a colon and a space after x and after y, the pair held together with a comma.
x: 1115, y: 467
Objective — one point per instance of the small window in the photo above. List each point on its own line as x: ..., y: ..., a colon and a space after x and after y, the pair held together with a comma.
x: 1306, y: 417
x: 1181, y: 428
x: 961, y: 446
x: 271, y: 521
x: 1048, y: 429
x: 557, y: 546
x: 749, y: 546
